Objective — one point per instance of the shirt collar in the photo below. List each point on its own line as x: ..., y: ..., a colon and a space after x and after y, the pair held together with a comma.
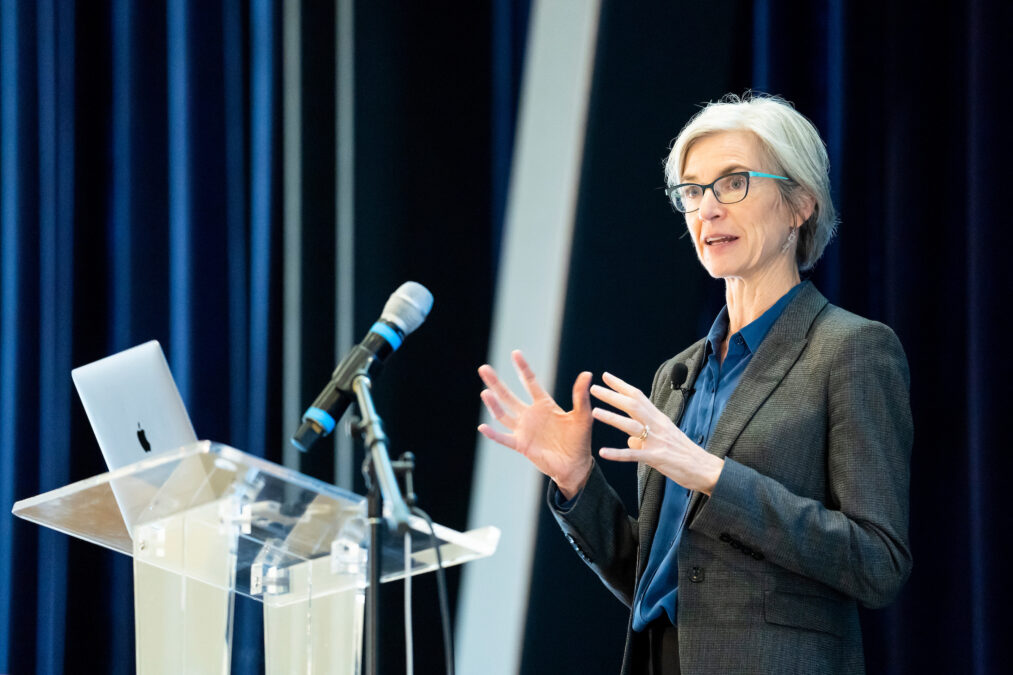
x: 754, y: 333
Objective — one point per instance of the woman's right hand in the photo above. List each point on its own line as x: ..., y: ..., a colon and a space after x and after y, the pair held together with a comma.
x: 557, y: 442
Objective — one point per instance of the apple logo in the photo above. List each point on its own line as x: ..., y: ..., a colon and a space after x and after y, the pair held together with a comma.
x: 141, y: 439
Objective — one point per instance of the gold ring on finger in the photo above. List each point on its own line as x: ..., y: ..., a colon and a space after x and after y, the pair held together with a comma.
x: 644, y: 433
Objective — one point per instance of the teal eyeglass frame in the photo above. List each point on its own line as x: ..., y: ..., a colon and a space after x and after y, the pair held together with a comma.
x: 673, y: 199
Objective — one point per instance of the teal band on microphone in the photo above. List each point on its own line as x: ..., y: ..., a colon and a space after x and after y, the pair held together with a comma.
x: 320, y: 417
x: 388, y: 334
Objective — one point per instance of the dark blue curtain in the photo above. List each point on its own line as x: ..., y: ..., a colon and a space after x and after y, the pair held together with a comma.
x: 138, y: 199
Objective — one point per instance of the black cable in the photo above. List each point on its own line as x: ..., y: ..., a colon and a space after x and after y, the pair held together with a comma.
x: 441, y: 584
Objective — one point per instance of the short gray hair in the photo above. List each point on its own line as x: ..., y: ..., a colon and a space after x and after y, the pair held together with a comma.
x: 792, y: 146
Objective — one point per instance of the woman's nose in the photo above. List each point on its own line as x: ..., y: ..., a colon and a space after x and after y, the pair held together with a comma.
x: 710, y: 207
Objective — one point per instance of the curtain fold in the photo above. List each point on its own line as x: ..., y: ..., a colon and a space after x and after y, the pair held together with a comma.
x: 989, y: 289
x: 55, y: 25
x: 19, y: 331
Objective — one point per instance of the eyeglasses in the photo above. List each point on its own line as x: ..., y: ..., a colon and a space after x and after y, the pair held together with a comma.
x: 728, y: 189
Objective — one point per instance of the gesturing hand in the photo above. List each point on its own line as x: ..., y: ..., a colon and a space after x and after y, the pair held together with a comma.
x: 665, y: 447
x: 557, y: 442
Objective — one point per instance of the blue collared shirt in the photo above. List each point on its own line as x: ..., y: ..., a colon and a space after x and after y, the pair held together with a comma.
x: 659, y: 585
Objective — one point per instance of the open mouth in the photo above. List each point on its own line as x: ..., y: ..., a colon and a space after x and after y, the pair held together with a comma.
x: 720, y: 239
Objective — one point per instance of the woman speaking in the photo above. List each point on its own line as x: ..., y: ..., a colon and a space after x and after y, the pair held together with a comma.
x: 772, y: 455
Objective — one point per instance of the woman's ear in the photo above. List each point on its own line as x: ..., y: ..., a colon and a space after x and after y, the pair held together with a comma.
x: 806, y: 206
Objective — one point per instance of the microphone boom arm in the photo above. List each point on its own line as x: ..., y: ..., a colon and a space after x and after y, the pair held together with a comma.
x: 371, y: 427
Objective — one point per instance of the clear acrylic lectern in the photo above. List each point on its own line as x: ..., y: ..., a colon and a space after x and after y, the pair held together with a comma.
x: 206, y: 521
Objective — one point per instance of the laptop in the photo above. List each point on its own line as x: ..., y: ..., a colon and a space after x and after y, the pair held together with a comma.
x: 135, y: 411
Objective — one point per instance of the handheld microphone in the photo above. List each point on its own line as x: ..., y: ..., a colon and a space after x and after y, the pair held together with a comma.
x: 405, y: 311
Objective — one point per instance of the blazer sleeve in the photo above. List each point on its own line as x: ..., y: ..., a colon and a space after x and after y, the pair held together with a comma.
x: 856, y: 542
x: 601, y: 531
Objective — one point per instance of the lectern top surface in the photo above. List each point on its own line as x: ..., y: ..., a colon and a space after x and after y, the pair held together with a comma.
x: 214, y: 514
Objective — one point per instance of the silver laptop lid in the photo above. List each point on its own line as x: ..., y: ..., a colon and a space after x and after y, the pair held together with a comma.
x: 133, y: 405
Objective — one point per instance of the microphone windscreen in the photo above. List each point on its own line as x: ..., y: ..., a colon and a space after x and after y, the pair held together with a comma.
x: 679, y: 373
x: 408, y: 306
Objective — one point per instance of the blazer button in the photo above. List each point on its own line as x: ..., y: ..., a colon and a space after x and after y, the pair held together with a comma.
x: 696, y: 575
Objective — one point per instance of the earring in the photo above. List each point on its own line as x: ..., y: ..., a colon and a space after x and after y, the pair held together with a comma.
x: 792, y: 236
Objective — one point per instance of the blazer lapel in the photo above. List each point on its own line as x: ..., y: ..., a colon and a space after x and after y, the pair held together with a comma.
x: 673, y: 405
x: 771, y: 362
x: 650, y: 482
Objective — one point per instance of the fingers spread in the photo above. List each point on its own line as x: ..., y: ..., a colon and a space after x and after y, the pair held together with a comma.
x: 496, y: 410
x: 624, y: 424
x: 616, y: 400
x: 527, y: 376
x: 506, y: 397
x: 623, y: 387
x: 498, y: 436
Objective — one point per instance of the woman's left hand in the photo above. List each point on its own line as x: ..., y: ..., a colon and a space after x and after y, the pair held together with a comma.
x: 666, y: 448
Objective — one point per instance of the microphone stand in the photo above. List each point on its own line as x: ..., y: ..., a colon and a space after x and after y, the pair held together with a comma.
x: 383, y: 487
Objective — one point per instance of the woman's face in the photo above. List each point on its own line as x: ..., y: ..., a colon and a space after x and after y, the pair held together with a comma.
x: 742, y: 240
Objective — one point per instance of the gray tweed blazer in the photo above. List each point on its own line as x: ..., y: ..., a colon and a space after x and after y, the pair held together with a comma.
x: 808, y: 518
